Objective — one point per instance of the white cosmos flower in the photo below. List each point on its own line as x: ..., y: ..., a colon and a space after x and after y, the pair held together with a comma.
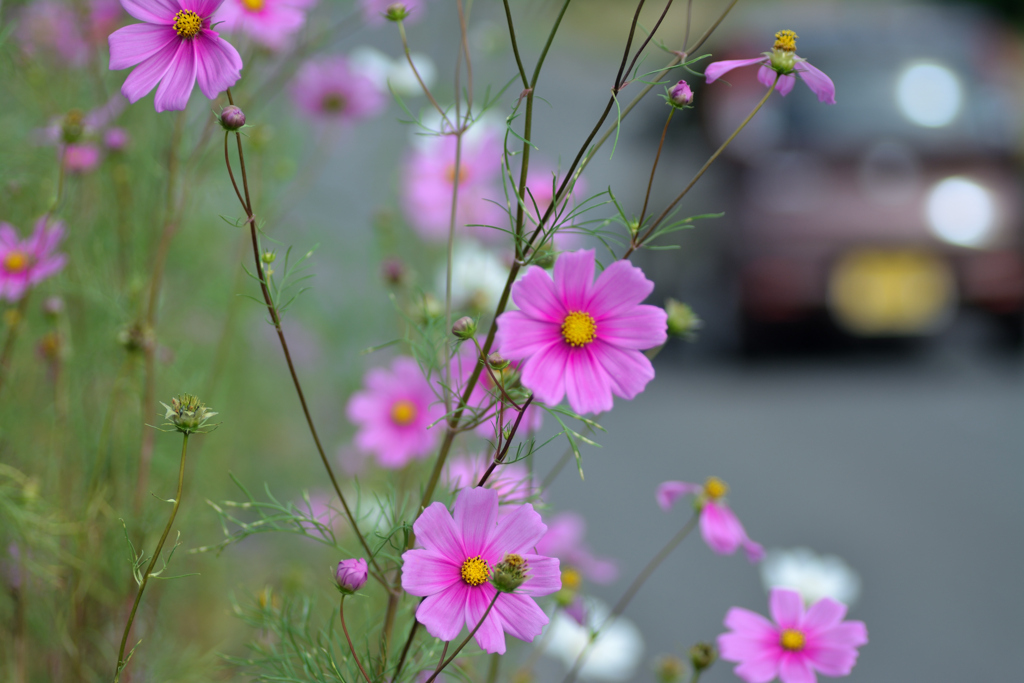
x: 813, y: 576
x: 614, y: 656
x: 478, y: 278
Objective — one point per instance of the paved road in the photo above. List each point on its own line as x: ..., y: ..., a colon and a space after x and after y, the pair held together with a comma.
x: 909, y: 468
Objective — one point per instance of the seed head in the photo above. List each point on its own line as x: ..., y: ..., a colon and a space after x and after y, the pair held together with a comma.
x: 188, y: 415
x: 510, y: 573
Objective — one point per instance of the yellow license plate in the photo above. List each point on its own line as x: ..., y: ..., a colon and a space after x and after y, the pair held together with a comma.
x: 886, y: 292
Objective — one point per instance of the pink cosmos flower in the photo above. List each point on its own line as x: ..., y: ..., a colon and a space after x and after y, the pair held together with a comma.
x: 512, y: 481
x: 328, y: 89
x: 46, y: 26
x: 430, y: 180
x: 374, y: 10
x: 452, y: 567
x: 719, y: 525
x: 394, y: 413
x: 268, y: 22
x: 485, y: 392
x: 25, y: 263
x: 797, y: 645
x: 81, y: 157
x: 175, y: 47
x: 580, y: 338
x: 564, y: 540
x: 116, y: 139
x: 783, y: 62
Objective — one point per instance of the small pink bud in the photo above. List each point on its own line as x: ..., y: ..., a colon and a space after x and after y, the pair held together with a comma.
x: 351, y: 575
x: 680, y: 94
x: 232, y: 118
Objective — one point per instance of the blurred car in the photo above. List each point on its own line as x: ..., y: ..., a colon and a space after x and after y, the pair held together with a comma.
x: 891, y: 211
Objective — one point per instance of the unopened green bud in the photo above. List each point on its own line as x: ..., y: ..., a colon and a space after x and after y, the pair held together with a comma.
x: 396, y: 12
x: 496, y: 361
x: 269, y: 257
x: 682, y: 321
x: 669, y: 669
x: 510, y: 573
x: 464, y: 327
x: 703, y: 655
x: 188, y: 415
x: 545, y: 256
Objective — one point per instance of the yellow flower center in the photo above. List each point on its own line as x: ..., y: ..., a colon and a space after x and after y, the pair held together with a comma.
x: 187, y: 23
x: 571, y: 579
x: 715, y: 488
x: 253, y: 5
x: 475, y: 571
x: 403, y: 412
x: 792, y: 640
x: 785, y: 41
x: 463, y: 173
x: 578, y: 329
x: 15, y: 261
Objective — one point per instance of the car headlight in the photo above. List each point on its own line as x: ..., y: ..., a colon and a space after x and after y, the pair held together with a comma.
x: 962, y: 212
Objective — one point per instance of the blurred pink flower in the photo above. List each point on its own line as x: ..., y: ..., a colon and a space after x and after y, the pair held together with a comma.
x: 48, y: 26
x: 453, y: 567
x: 329, y: 89
x: 81, y: 157
x: 485, y: 392
x: 781, y: 62
x: 719, y: 525
x: 174, y: 47
x: 374, y: 10
x: 268, y: 22
x: 797, y: 645
x: 24, y: 264
x: 564, y: 540
x: 320, y: 513
x: 116, y: 139
x: 430, y: 180
x: 512, y: 481
x: 394, y: 412
x: 580, y: 338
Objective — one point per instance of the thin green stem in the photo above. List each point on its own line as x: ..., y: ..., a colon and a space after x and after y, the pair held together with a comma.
x: 419, y: 79
x: 492, y: 670
x: 355, y: 658
x: 152, y: 561
x: 654, y: 167
x: 623, y: 602
x: 463, y: 644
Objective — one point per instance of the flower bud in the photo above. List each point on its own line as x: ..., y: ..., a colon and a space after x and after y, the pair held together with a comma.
x: 268, y: 257
x: 351, y: 575
x: 496, y: 361
x: 73, y: 125
x: 510, y: 573
x: 680, y: 95
x: 188, y: 415
x: 464, y: 327
x: 393, y: 271
x: 703, y: 655
x: 669, y: 669
x: 232, y: 118
x: 682, y: 321
x: 53, y: 306
x: 396, y: 12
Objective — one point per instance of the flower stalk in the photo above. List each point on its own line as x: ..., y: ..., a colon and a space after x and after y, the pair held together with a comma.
x: 445, y: 662
x: 355, y: 658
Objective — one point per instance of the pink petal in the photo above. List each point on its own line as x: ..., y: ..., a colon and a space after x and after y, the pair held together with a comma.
x: 643, y: 327
x: 544, y: 373
x: 820, y: 84
x: 490, y: 636
x: 435, y: 530
x: 587, y: 385
x: 785, y: 84
x: 444, y: 613
x: 220, y: 65
x: 520, y: 616
x: 846, y: 634
x: 753, y: 550
x: 8, y: 235
x: 787, y: 608
x: 766, y: 75
x: 794, y: 668
x: 426, y: 572
x: 521, y: 336
x: 203, y: 8
x: 759, y: 670
x: 545, y: 576
x: 565, y: 533
x: 476, y: 511
x: 176, y: 86
x: 629, y: 371
x: 152, y: 11
x: 516, y: 532
x: 823, y: 615
x: 535, y: 296
x: 47, y: 268
x: 147, y: 74
x: 716, y: 70
x: 669, y: 491
x: 601, y: 571
x: 618, y: 290
x: 574, y: 275
x: 755, y: 636
x: 720, y: 528
x: 831, y: 661
x: 138, y: 42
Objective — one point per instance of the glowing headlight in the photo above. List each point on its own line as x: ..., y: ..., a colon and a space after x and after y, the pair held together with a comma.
x: 962, y: 212
x: 929, y: 94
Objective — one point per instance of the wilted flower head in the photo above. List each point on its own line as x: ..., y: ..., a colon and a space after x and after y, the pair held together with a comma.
x: 188, y: 415
x: 703, y: 655
x: 351, y: 575
x: 782, y: 63
x: 25, y: 263
x: 813, y: 576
